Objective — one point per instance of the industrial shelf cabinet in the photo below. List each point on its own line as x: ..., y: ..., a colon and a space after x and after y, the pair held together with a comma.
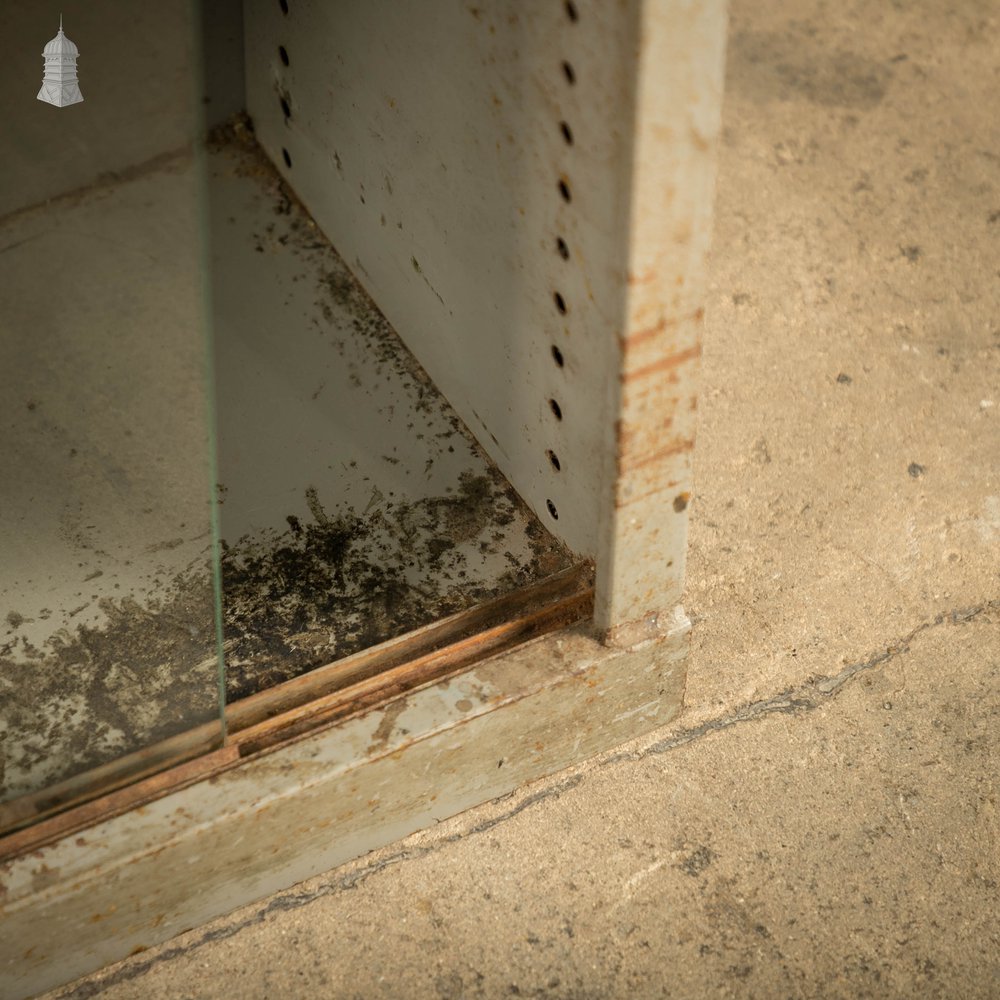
x: 525, y: 192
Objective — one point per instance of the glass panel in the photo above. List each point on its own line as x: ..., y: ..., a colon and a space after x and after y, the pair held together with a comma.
x: 108, y: 645
x: 356, y: 506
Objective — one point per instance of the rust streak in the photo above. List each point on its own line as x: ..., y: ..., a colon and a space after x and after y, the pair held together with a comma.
x: 664, y: 364
x: 675, y: 449
x: 385, y: 727
x: 648, y: 332
x: 664, y: 323
x: 643, y: 277
x: 656, y: 491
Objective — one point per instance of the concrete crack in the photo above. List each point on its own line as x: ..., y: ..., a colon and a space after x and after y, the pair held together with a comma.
x: 809, y: 695
x: 806, y: 697
x: 351, y: 879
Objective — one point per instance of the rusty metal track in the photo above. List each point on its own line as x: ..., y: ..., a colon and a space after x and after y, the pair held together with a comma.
x: 298, y: 707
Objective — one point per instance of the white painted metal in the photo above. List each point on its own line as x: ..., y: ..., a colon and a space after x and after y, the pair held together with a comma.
x: 301, y: 410
x: 496, y: 174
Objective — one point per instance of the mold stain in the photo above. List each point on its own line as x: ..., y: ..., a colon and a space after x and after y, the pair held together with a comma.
x: 347, y: 581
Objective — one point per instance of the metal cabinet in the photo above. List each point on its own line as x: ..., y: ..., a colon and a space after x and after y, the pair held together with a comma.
x: 524, y: 191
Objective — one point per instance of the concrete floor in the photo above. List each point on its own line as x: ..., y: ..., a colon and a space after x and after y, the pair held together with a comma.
x: 823, y: 820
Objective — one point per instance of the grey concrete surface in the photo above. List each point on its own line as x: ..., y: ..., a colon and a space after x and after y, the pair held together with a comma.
x: 823, y: 821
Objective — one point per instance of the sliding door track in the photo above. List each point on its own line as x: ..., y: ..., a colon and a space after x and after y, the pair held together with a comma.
x: 282, y: 714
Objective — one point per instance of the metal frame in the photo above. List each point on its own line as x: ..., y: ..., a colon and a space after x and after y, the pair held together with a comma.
x: 467, y: 265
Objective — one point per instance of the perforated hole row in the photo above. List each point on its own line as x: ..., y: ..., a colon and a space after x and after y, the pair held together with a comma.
x: 283, y: 97
x: 562, y: 246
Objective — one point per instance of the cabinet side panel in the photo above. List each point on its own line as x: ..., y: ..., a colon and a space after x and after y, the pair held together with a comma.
x: 643, y: 526
x: 471, y: 163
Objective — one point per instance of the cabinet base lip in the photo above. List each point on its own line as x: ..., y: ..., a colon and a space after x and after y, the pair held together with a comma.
x: 136, y: 879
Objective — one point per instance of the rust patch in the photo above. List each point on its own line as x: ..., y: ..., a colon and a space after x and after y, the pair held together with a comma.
x: 644, y: 277
x: 699, y: 142
x: 662, y: 324
x: 647, y: 333
x: 683, y: 232
x: 385, y: 727
x: 626, y: 435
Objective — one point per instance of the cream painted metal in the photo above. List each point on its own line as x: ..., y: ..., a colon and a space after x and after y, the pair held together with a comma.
x: 525, y: 190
